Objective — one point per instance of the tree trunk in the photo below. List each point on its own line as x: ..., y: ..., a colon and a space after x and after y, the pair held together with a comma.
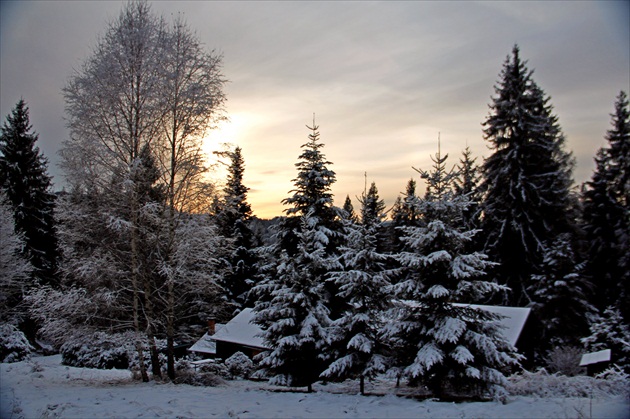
x: 362, y: 385
x: 170, y: 314
x: 155, y: 359
x: 134, y: 284
x: 170, y: 332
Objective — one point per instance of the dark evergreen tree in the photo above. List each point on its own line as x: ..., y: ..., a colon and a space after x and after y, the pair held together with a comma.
x: 561, y: 293
x: 449, y: 348
x: 466, y: 183
x: 619, y: 139
x: 348, y: 209
x: 526, y: 179
x: 233, y: 220
x: 235, y: 206
x: 606, y: 216
x: 403, y: 213
x: 372, y: 207
x: 23, y: 174
x: 601, y: 213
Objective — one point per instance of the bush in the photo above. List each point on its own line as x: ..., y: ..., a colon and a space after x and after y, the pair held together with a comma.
x: 14, y: 346
x: 565, y: 360
x: 542, y: 384
x: 98, y: 350
x: 209, y: 375
x: 240, y: 365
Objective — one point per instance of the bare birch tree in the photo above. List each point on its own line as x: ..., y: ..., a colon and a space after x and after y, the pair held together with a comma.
x: 146, y: 86
x: 192, y: 85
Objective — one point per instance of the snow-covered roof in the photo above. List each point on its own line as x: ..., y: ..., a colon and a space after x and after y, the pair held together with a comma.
x: 513, y: 319
x: 206, y: 345
x: 595, y: 357
x: 241, y: 330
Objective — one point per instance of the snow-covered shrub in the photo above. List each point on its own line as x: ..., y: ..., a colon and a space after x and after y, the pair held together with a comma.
x: 14, y: 346
x: 209, y: 375
x: 565, y: 360
x: 542, y: 384
x: 98, y: 350
x: 239, y: 365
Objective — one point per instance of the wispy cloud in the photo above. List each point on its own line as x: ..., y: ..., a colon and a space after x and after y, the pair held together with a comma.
x: 382, y: 77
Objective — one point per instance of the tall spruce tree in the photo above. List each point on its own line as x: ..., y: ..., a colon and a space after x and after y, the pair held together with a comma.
x: 23, y: 175
x: 294, y: 300
x: 526, y: 179
x: 606, y: 215
x: 233, y: 221
x: 449, y: 348
x: 312, y: 194
x: 619, y: 139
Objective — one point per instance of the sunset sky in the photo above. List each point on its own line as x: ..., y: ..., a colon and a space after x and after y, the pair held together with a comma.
x: 383, y: 78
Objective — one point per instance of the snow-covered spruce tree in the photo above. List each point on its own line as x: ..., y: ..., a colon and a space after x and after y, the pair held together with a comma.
x: 294, y: 315
x: 606, y: 215
x: 233, y: 221
x: 355, y: 342
x: 561, y: 294
x: 298, y: 264
x: 15, y: 270
x: 610, y: 331
x: 24, y: 177
x: 449, y: 348
x: 526, y: 179
x: 312, y: 195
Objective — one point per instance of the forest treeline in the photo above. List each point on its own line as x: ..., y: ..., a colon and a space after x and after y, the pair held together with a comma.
x: 131, y: 260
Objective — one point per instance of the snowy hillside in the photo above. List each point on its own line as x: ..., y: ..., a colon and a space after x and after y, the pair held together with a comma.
x: 43, y: 387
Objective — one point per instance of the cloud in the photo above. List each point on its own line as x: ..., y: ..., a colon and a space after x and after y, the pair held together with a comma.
x: 383, y: 78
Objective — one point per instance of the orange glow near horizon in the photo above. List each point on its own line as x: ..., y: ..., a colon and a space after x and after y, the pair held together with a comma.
x: 266, y: 183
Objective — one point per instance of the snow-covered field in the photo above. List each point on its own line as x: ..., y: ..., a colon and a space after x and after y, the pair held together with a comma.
x: 43, y: 387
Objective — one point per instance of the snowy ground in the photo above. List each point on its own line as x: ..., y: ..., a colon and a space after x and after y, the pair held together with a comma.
x: 43, y: 387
